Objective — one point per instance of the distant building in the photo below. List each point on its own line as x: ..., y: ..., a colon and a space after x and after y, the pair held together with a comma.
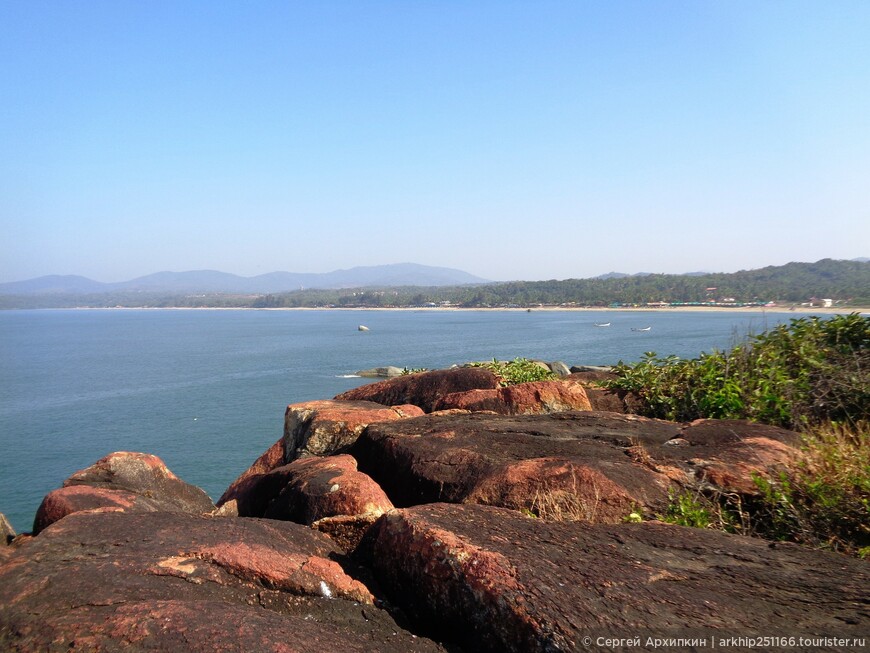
x: 814, y: 301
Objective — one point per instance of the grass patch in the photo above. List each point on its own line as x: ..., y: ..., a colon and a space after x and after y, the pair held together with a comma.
x: 824, y: 500
x: 566, y: 504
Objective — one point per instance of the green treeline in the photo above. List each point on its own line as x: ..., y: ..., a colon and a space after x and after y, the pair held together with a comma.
x: 847, y: 282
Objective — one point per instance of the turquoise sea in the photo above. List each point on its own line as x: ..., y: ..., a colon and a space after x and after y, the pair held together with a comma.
x: 206, y: 389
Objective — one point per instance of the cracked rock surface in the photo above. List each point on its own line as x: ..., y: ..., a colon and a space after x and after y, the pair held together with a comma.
x: 500, y: 581
x: 174, y: 582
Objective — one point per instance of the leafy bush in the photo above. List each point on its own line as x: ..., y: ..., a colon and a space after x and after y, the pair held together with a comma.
x: 688, y: 509
x: 519, y: 370
x: 810, y: 371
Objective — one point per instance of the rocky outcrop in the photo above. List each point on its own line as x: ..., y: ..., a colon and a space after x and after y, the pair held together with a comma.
x: 177, y: 582
x: 327, y: 427
x: 498, y: 581
x: 64, y: 501
x: 310, y: 428
x: 593, y: 379
x: 565, y: 466
x: 317, y: 488
x: 309, y: 489
x: 143, y: 474
x: 590, y: 368
x: 607, y: 400
x: 559, y: 368
x: 122, y: 481
x: 511, y: 536
x: 387, y: 372
x: 589, y: 466
x: 531, y: 398
x: 726, y: 455
x: 423, y: 389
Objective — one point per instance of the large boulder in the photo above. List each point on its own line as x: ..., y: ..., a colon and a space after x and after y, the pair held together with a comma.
x: 310, y: 428
x: 122, y: 481
x: 387, y: 372
x: 726, y: 455
x: 143, y: 474
x: 310, y: 489
x: 64, y: 501
x: 322, y: 428
x: 174, y: 582
x: 317, y: 488
x: 499, y: 581
x: 609, y: 400
x: 423, y: 389
x: 561, y: 466
x: 559, y: 368
x: 531, y: 398
x: 617, y: 401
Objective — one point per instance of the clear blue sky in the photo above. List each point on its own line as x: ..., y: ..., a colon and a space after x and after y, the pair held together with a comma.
x: 513, y: 140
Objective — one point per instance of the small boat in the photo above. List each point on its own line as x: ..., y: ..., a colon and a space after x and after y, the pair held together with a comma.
x: 362, y: 327
x: 604, y: 324
x: 642, y: 329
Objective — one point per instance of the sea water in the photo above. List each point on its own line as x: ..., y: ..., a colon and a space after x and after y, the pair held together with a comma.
x: 205, y: 390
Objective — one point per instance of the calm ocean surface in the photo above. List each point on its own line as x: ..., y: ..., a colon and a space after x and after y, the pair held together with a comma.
x: 206, y: 389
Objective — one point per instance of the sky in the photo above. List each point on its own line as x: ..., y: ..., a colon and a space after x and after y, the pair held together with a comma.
x: 512, y: 140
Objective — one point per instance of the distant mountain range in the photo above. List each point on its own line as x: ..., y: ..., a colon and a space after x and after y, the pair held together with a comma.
x: 212, y: 281
x: 843, y: 282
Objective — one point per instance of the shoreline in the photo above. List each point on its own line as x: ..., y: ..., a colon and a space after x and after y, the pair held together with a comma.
x: 803, y: 310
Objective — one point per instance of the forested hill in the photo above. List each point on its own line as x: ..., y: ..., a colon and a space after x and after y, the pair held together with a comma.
x: 845, y: 282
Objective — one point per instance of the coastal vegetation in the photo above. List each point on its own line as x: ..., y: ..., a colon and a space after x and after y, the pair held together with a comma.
x: 804, y: 373
x: 811, y: 375
x: 519, y: 370
x: 823, y: 500
x: 845, y: 282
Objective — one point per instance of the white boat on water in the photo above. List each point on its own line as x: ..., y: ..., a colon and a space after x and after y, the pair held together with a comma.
x: 605, y: 324
x: 642, y: 329
x: 362, y: 327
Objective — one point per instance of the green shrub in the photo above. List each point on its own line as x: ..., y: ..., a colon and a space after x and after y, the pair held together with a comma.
x: 519, y: 370
x: 688, y: 509
x: 811, y: 371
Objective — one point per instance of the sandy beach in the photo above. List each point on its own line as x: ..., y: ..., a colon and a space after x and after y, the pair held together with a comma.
x: 800, y: 310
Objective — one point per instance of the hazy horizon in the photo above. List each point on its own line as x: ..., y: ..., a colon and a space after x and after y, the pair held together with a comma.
x: 508, y: 140
x: 305, y: 272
